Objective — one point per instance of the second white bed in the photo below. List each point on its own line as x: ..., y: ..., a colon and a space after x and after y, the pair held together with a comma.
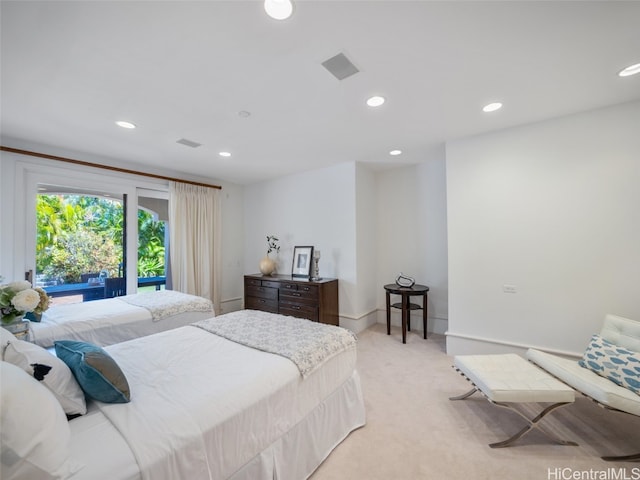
x: 114, y: 320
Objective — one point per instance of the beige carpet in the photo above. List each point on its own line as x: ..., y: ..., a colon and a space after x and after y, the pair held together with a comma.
x: 414, y: 431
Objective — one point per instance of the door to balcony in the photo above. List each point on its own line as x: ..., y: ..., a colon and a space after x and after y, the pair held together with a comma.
x: 81, y: 242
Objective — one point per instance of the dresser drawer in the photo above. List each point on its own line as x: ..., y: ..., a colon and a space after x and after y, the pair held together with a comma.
x: 254, y: 282
x: 299, y: 291
x: 262, y: 292
x: 309, y: 312
x: 291, y: 299
x: 289, y: 286
x: 257, y: 303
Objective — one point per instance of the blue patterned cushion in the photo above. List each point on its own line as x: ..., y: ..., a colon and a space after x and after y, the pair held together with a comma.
x: 98, y: 374
x: 620, y: 365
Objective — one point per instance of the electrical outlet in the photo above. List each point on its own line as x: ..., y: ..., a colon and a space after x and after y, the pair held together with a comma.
x: 509, y: 288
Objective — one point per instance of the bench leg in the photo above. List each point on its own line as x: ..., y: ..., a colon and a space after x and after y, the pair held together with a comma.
x: 531, y: 425
x: 465, y: 395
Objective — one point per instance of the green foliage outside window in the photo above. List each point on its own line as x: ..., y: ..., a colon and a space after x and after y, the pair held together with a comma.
x: 81, y: 234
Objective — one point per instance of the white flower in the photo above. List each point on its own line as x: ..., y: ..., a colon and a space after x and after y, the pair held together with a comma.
x: 18, y: 286
x: 26, y: 300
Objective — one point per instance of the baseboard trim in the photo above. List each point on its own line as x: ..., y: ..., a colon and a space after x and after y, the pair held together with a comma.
x: 358, y: 323
x: 462, y: 344
x: 230, y: 305
x: 435, y: 324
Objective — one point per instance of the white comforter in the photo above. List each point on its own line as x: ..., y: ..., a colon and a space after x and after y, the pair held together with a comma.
x: 203, y: 406
x: 113, y: 320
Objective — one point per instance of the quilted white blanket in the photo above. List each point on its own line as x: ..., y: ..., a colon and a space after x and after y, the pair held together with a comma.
x: 168, y: 303
x: 305, y: 343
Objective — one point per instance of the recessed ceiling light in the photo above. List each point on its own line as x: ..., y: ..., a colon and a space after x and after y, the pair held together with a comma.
x: 395, y: 152
x: 123, y: 124
x: 492, y: 107
x: 225, y: 154
x: 630, y: 70
x: 278, y: 9
x: 375, y: 101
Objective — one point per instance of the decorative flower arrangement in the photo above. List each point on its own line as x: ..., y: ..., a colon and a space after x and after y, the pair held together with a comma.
x: 272, y: 242
x: 18, y: 298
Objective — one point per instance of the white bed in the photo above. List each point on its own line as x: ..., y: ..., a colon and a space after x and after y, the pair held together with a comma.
x: 114, y: 320
x: 205, y: 407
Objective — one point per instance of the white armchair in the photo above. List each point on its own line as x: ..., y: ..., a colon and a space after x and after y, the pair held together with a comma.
x: 619, y: 395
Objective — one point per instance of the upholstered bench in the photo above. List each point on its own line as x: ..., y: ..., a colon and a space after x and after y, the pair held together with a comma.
x: 508, y: 379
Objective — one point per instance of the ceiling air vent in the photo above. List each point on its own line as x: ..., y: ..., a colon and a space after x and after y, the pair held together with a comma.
x: 340, y: 66
x: 189, y: 143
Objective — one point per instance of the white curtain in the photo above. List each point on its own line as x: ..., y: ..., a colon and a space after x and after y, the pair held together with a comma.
x: 194, y: 239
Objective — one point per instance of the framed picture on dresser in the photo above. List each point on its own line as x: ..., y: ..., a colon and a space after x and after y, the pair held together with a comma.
x: 302, y: 259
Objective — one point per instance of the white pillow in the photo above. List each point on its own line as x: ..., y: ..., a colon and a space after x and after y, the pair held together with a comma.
x: 35, y: 434
x: 59, y: 379
x: 5, y: 337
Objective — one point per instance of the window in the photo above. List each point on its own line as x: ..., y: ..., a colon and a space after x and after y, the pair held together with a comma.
x: 80, y: 241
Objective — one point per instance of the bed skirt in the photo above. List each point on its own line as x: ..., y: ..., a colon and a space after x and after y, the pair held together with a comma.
x: 295, y: 455
x: 301, y: 450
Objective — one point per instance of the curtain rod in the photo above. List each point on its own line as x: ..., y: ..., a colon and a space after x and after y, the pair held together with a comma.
x: 105, y: 167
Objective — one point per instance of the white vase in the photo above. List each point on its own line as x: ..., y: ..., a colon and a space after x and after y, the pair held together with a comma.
x: 267, y: 266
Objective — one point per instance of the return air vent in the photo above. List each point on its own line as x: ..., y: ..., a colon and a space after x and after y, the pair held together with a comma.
x: 340, y: 66
x: 189, y: 143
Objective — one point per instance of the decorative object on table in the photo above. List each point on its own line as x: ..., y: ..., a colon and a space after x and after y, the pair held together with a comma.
x: 104, y: 274
x: 403, y: 280
x: 301, y: 266
x: 316, y: 270
x: 267, y: 264
x: 17, y: 299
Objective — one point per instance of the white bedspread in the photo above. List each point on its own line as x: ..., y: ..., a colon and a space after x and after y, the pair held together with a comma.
x: 102, y: 324
x: 111, y: 320
x: 205, y: 420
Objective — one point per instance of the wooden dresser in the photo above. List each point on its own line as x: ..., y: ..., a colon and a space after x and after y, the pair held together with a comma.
x: 298, y: 297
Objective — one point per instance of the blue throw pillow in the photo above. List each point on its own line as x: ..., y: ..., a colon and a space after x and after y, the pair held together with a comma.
x: 97, y: 373
x: 620, y: 365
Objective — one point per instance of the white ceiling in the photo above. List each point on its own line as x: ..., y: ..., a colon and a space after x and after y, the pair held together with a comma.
x: 181, y: 69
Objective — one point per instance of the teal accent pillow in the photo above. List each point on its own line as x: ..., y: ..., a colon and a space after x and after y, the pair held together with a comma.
x: 620, y: 365
x: 97, y: 373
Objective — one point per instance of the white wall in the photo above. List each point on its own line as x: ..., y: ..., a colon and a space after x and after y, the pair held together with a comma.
x: 375, y: 225
x: 412, y: 234
x: 366, y: 249
x: 232, y: 293
x: 313, y: 208
x: 553, y: 209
